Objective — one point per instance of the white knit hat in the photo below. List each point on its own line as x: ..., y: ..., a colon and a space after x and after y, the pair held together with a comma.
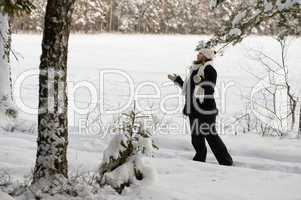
x: 208, y: 53
x: 204, y: 49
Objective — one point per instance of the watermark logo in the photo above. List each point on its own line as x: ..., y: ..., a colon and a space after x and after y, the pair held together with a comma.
x: 113, y: 91
x: 270, y: 103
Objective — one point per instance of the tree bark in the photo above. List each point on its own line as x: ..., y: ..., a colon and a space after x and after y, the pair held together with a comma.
x: 299, y: 131
x: 51, y: 158
x: 5, y: 43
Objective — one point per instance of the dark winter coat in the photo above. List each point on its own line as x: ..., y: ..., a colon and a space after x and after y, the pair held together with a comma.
x: 193, y: 106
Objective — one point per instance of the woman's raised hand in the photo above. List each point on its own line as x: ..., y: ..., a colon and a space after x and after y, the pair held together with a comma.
x: 172, y: 77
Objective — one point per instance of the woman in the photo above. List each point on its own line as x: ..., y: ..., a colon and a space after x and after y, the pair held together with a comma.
x: 200, y: 107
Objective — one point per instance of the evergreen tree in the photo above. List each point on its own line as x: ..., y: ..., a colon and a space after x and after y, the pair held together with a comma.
x: 122, y: 162
x: 90, y: 15
x: 155, y: 16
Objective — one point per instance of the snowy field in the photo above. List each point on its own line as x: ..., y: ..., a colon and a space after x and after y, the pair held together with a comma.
x: 141, y: 64
x: 265, y: 167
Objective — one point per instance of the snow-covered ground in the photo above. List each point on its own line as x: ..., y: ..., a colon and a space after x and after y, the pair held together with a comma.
x: 4, y: 196
x: 265, y: 167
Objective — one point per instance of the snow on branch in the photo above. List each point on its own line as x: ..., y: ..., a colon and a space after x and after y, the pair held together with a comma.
x: 16, y: 7
x: 245, y: 17
x: 214, y: 3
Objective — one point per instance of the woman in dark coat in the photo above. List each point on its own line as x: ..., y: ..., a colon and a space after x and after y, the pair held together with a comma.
x: 200, y: 107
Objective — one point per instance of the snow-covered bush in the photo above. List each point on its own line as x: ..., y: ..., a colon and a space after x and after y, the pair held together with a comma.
x: 12, y: 186
x: 123, y: 160
x: 79, y: 186
x: 5, y: 180
x: 58, y: 187
x: 8, y: 115
x: 4, y: 196
x: 274, y: 97
x: 10, y: 120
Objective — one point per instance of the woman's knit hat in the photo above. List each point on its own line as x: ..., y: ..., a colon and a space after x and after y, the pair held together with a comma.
x: 204, y: 49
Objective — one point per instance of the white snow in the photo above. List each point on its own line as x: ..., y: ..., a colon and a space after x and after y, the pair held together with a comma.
x: 4, y: 196
x: 212, y: 4
x: 114, y: 148
x: 287, y: 4
x: 235, y: 32
x: 265, y: 167
x: 123, y: 174
x: 146, y: 144
x: 144, y: 58
x: 126, y: 173
x: 237, y: 19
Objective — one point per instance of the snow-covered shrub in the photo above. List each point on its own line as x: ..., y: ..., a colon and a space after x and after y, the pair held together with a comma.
x: 4, y: 196
x: 85, y: 177
x: 58, y: 187
x: 273, y: 99
x: 123, y: 160
x: 8, y: 115
x: 79, y: 186
x: 5, y: 180
x: 14, y: 187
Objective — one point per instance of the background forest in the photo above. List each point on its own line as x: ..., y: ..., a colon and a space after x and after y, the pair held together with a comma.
x: 144, y: 16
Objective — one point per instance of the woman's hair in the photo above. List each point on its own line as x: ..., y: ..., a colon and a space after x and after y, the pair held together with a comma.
x: 196, y: 62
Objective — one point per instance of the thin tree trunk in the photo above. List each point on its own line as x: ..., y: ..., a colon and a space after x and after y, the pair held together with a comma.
x: 51, y: 159
x: 5, y: 43
x: 299, y: 131
x: 8, y: 112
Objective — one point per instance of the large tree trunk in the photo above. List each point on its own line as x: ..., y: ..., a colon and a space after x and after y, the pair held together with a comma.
x: 51, y: 160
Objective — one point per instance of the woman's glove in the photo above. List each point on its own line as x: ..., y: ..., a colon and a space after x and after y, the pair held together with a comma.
x: 172, y: 77
x: 176, y: 79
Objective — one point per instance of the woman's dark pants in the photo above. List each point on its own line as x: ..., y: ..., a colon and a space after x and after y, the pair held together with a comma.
x: 204, y: 128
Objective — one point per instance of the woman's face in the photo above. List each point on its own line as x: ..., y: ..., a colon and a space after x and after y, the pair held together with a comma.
x: 201, y: 57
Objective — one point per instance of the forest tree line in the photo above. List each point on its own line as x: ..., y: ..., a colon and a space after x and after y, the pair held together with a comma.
x: 142, y: 16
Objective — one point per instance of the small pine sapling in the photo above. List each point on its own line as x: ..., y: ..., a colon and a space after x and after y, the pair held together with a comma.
x: 123, y: 162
